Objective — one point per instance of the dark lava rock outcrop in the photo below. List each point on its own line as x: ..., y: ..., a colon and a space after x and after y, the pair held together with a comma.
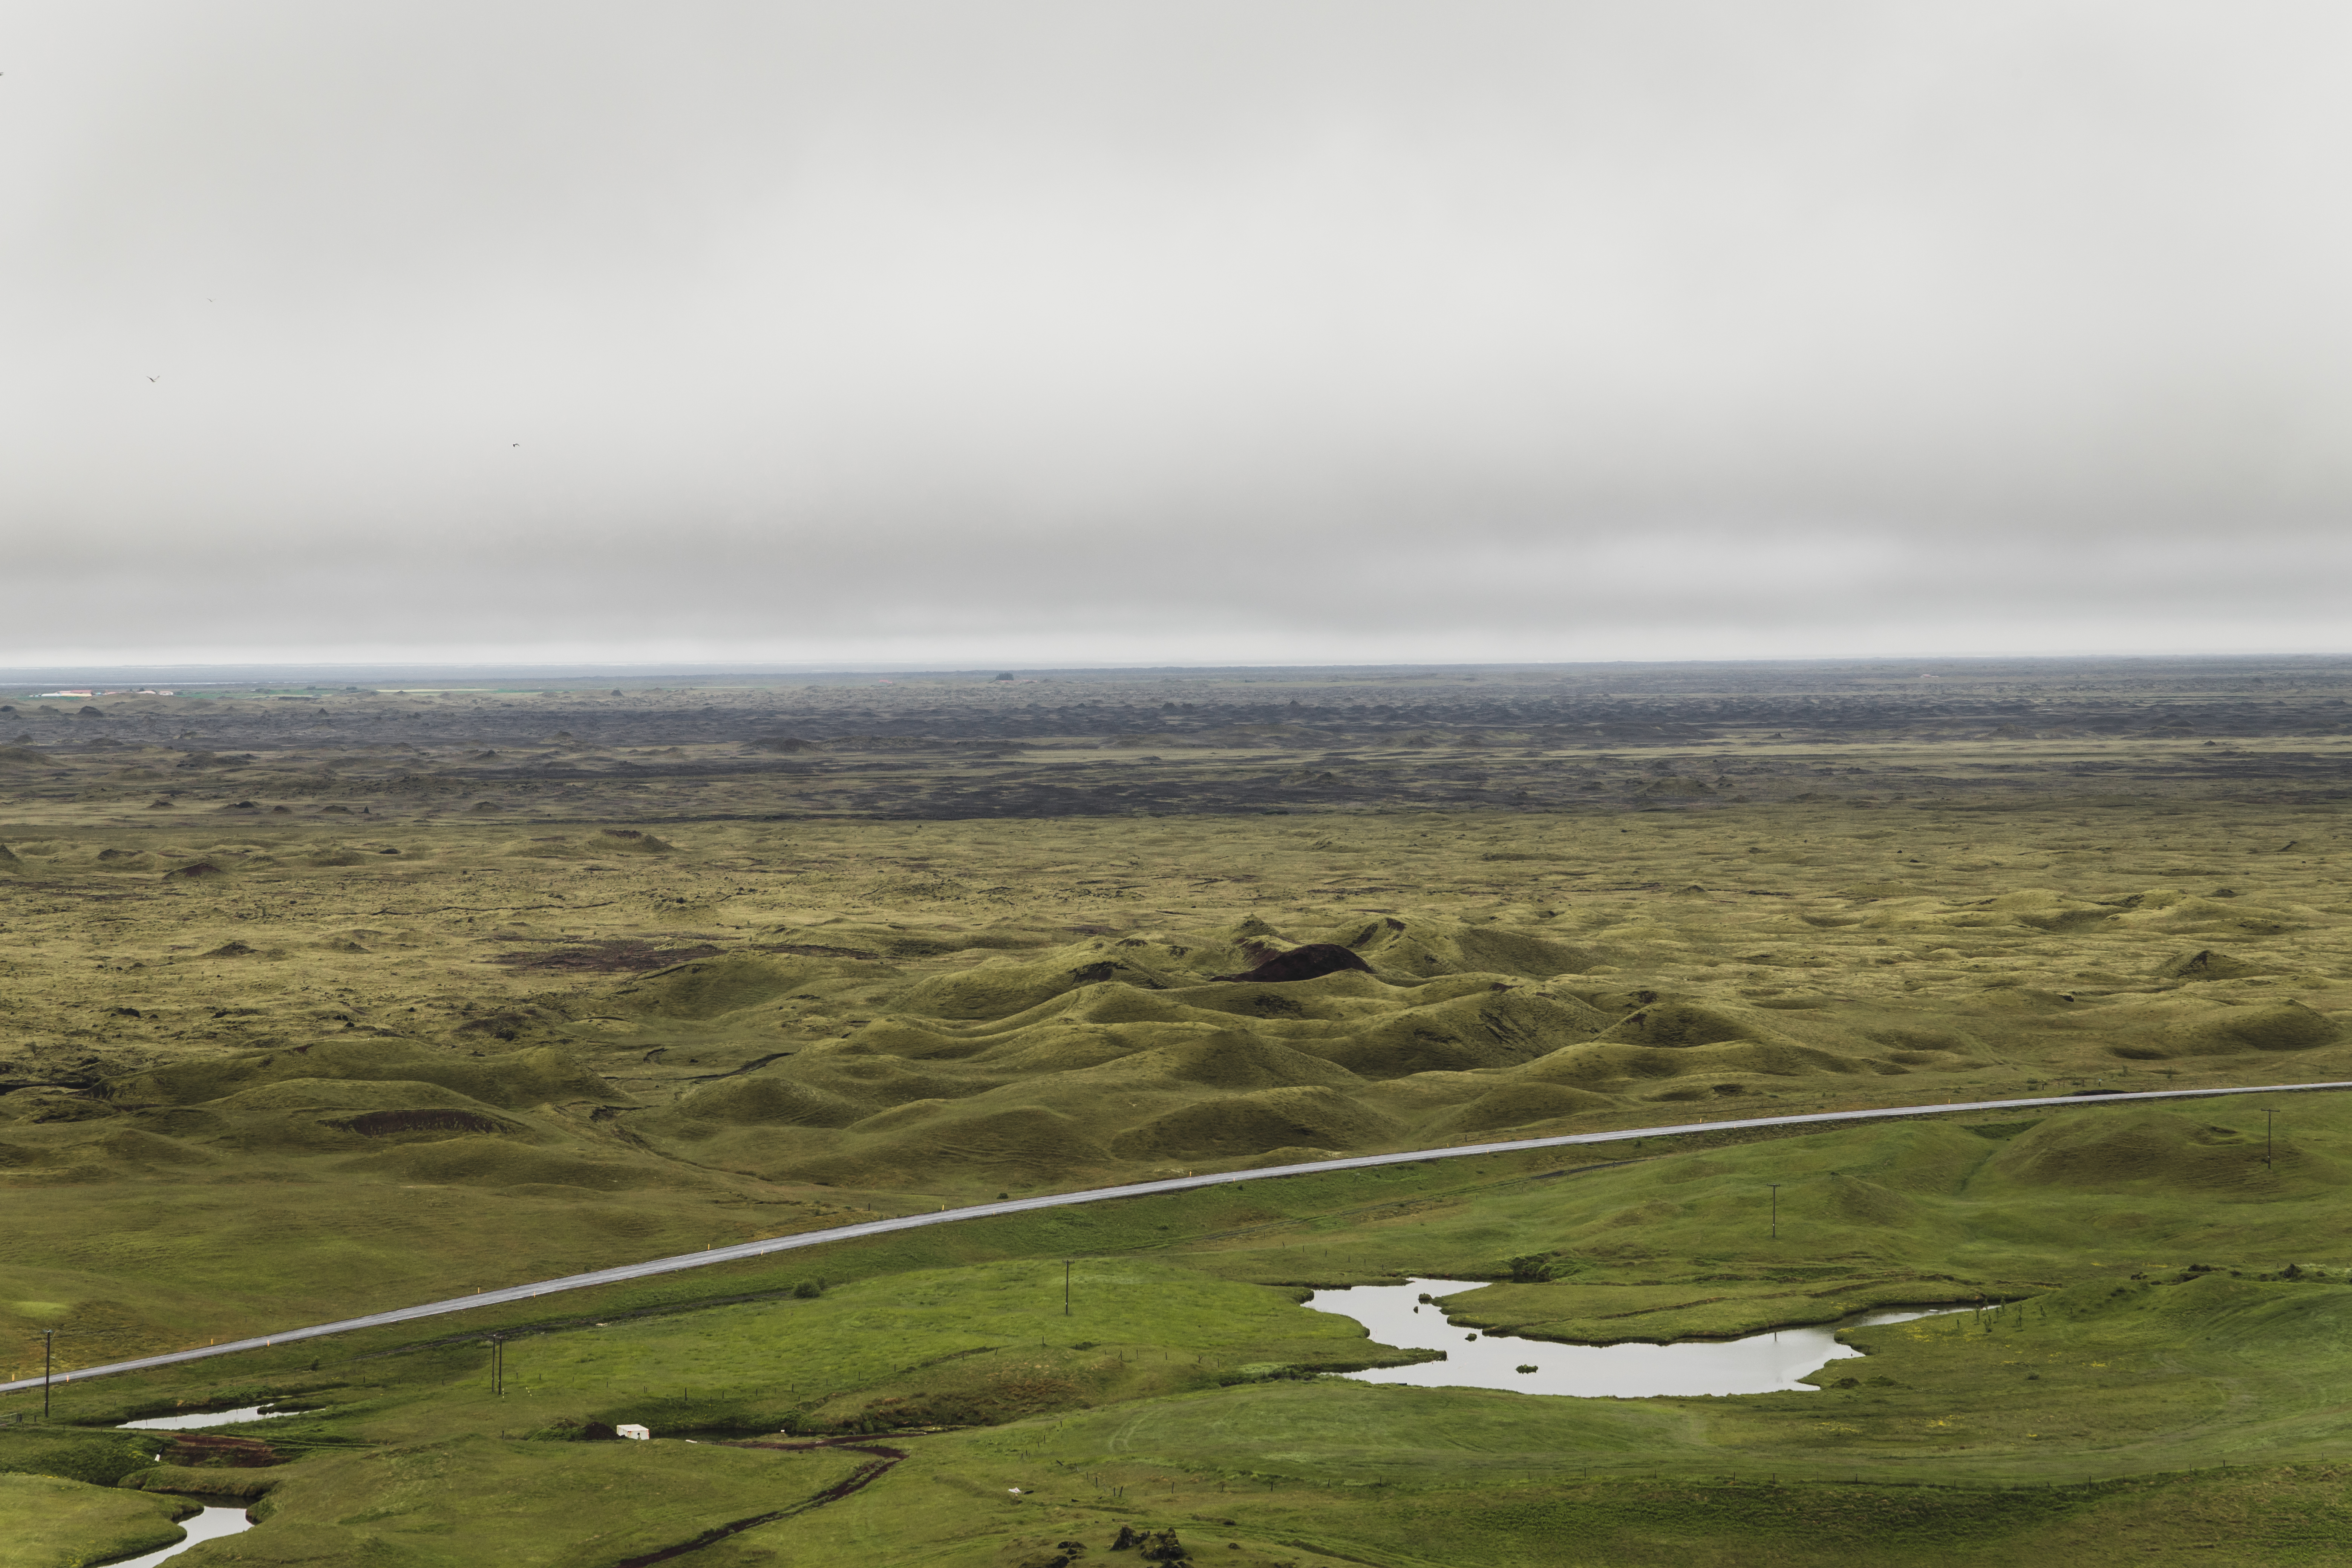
x: 1312, y: 962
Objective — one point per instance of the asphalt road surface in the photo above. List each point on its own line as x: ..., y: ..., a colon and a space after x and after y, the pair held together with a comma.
x: 627, y: 1272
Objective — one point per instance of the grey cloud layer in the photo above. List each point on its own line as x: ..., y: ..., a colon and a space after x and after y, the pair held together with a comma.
x: 1108, y: 330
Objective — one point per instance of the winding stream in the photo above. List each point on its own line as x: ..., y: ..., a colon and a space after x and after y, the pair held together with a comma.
x: 209, y: 1525
x: 1768, y: 1362
x: 218, y: 1520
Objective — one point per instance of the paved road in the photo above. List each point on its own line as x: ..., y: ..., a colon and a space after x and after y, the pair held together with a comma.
x: 1059, y: 1200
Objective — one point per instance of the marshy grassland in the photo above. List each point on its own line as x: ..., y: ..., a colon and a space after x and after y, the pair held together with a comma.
x: 315, y: 1002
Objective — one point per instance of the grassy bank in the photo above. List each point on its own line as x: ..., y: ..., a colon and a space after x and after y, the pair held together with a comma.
x: 47, y: 1521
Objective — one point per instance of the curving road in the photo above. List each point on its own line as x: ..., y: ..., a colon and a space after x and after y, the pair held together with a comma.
x: 1135, y: 1189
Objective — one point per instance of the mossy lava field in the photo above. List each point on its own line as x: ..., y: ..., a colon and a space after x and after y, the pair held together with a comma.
x: 318, y: 1001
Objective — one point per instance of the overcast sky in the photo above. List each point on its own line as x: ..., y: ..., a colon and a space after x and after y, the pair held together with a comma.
x: 992, y: 331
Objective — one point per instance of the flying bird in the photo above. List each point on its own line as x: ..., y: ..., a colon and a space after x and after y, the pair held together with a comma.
x: 154, y: 378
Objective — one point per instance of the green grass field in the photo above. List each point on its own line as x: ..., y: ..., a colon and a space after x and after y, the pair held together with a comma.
x: 341, y: 1027
x: 48, y: 1521
x: 2163, y: 1337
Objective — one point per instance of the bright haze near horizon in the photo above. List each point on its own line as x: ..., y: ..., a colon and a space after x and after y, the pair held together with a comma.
x: 1204, y: 333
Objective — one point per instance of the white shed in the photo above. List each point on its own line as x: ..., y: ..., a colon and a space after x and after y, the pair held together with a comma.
x: 639, y: 1433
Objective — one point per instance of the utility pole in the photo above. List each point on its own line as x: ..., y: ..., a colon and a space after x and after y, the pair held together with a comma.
x: 498, y: 1364
x: 1776, y: 1209
x: 2269, y: 1148
x: 1065, y: 1287
x: 48, y: 1344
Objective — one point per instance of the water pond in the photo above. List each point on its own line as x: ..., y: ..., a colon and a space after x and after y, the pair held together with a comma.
x: 205, y: 1419
x: 1762, y: 1363
x: 209, y: 1525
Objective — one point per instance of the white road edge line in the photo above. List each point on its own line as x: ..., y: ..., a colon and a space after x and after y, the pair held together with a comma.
x: 1099, y: 1195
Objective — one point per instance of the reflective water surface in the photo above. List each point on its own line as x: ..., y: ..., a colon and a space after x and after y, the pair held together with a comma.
x: 209, y: 1525
x: 203, y: 1418
x: 1762, y: 1363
